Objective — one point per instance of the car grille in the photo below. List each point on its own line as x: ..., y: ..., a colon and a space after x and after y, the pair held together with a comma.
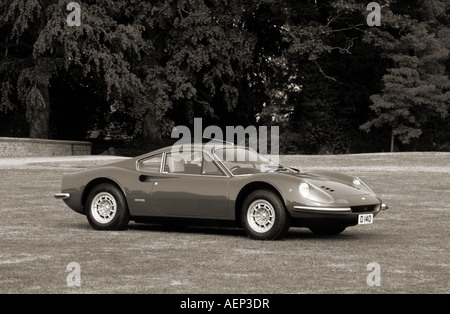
x: 364, y: 208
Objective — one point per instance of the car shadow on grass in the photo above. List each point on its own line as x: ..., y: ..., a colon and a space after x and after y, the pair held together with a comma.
x: 305, y: 234
x: 293, y: 234
x: 169, y: 228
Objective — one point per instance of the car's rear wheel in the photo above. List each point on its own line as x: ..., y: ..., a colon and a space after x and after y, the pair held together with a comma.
x: 106, y: 208
x: 263, y: 216
x: 327, y: 230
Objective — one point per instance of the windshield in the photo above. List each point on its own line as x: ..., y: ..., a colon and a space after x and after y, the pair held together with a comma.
x: 244, y: 161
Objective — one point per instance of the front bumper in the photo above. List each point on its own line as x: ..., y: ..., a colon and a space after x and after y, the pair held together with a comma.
x: 306, y: 216
x: 344, y: 209
x: 322, y: 209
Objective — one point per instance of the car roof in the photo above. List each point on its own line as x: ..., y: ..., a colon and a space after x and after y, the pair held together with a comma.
x: 208, y: 147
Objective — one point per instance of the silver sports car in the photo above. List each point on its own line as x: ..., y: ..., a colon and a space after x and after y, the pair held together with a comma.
x: 218, y: 184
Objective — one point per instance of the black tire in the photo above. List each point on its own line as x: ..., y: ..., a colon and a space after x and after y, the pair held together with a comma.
x: 106, y: 208
x: 263, y: 216
x: 327, y: 230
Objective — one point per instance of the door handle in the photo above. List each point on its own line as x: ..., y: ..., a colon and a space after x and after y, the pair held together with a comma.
x: 147, y: 178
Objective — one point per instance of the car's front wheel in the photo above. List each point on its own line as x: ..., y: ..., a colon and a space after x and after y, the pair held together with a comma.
x: 264, y: 216
x: 106, y: 208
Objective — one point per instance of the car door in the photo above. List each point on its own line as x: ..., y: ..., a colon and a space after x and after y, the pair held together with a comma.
x: 190, y: 186
x: 149, y: 173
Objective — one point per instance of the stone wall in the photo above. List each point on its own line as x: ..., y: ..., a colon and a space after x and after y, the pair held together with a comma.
x: 27, y: 147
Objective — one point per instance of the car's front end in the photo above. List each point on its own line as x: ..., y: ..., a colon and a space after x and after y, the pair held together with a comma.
x: 322, y: 201
x: 332, y: 199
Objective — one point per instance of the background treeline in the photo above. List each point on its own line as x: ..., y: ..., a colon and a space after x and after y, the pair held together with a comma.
x: 134, y: 69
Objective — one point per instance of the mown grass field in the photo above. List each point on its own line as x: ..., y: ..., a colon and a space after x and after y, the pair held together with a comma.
x: 40, y: 236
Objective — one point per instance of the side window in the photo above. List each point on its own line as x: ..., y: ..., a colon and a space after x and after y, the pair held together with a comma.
x: 210, y: 168
x: 151, y: 164
x: 190, y: 163
x: 186, y: 163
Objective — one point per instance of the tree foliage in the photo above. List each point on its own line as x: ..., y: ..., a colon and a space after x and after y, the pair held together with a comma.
x: 416, y: 88
x: 134, y: 69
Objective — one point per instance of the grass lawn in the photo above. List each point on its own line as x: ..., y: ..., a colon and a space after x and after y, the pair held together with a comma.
x: 40, y: 236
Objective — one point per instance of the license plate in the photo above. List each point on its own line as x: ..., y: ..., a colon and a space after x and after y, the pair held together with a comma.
x: 365, y: 219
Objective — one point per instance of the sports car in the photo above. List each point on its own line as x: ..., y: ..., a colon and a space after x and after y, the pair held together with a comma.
x: 218, y: 184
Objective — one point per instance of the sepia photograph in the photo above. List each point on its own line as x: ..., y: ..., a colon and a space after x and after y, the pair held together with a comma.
x: 222, y: 155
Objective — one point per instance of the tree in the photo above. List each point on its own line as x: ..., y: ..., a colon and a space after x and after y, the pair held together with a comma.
x: 321, y: 70
x: 204, y: 56
x: 19, y: 22
x: 40, y: 45
x: 416, y: 89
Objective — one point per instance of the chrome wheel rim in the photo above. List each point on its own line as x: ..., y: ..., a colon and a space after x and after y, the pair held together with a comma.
x: 261, y: 216
x: 103, y: 207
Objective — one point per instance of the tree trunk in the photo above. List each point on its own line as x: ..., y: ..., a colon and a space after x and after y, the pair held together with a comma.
x: 150, y: 128
x: 38, y: 111
x: 392, y: 142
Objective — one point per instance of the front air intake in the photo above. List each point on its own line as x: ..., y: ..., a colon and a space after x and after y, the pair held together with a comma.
x: 364, y: 208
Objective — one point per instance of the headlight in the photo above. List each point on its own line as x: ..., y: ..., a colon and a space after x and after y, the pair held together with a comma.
x: 313, y: 193
x: 304, y: 189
